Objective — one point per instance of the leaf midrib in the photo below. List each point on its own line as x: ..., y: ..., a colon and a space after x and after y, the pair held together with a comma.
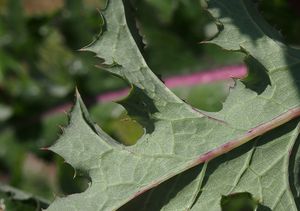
x: 224, y: 148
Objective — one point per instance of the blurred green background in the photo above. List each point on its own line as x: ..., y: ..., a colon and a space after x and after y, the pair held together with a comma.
x: 40, y: 66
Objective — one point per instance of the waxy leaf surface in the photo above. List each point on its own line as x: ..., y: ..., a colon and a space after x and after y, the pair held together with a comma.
x: 178, y: 137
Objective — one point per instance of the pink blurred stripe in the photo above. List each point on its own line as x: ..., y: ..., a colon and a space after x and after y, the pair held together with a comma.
x: 112, y: 96
x: 223, y: 73
x: 203, y: 77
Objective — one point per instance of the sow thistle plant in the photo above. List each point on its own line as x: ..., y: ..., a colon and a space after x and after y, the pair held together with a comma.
x: 190, y: 159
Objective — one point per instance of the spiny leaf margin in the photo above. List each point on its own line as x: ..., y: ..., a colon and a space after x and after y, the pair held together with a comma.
x: 166, y: 104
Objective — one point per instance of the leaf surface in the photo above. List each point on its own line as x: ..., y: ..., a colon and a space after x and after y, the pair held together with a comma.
x: 255, y: 167
x: 178, y: 137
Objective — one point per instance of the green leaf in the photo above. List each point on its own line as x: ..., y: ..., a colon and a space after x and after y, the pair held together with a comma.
x: 178, y: 137
x: 250, y: 168
x: 259, y: 168
x: 165, y: 8
x: 178, y: 193
x: 14, y: 199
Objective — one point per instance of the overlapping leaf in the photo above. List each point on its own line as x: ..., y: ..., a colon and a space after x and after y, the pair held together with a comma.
x: 178, y: 137
x: 14, y: 199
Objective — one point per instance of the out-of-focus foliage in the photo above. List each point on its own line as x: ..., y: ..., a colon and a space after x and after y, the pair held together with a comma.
x: 284, y: 15
x: 12, y: 199
x: 239, y: 201
x: 39, y: 57
x: 177, y: 26
x: 40, y: 66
